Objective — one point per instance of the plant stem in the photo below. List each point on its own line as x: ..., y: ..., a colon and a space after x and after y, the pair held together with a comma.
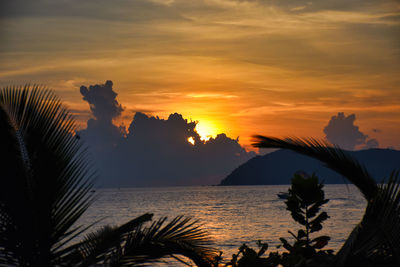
x: 307, y: 227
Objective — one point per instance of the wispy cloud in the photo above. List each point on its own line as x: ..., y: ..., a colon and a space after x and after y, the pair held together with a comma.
x: 210, y: 95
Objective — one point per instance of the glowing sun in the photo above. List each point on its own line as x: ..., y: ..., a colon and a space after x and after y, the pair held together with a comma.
x: 206, y: 130
x: 191, y: 140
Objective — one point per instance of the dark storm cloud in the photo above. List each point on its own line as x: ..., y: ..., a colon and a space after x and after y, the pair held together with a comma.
x: 101, y: 133
x: 342, y: 131
x: 102, y: 101
x: 154, y: 151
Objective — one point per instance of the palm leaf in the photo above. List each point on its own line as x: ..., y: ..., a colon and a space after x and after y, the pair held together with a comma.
x: 134, y: 244
x: 378, y: 234
x: 97, y: 246
x: 45, y: 176
x: 182, y: 236
x: 333, y: 157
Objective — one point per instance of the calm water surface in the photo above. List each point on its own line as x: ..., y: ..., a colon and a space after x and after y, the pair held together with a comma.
x: 233, y: 214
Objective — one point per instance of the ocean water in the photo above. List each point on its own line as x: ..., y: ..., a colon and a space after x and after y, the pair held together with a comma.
x: 232, y: 215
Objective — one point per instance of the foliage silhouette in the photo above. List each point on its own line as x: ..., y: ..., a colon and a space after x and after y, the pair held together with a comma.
x: 306, y: 197
x: 46, y: 179
x: 304, y: 202
x: 249, y: 257
x: 375, y: 241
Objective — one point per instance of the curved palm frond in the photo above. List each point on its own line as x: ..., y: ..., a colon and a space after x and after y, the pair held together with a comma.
x: 377, y: 236
x: 45, y: 177
x: 181, y: 236
x: 135, y: 244
x: 99, y: 245
x: 333, y: 157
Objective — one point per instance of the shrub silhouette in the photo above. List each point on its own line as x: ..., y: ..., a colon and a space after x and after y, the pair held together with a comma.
x: 306, y: 198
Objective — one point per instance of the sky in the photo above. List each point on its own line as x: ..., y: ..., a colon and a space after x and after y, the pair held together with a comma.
x: 277, y: 68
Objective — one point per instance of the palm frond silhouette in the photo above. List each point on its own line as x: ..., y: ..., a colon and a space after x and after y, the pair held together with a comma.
x: 45, y: 181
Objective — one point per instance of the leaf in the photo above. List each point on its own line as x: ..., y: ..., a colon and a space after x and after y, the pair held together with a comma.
x: 301, y: 234
x: 379, y: 229
x: 263, y: 248
x: 315, y: 227
x: 286, y: 244
x: 299, y: 218
x: 292, y: 234
x: 313, y: 210
x: 97, y: 245
x: 181, y: 236
x: 320, y: 241
x: 315, y: 224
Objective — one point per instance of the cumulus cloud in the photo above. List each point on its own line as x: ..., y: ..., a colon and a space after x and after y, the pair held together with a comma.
x: 102, y: 101
x: 342, y: 131
x: 101, y: 134
x: 154, y: 151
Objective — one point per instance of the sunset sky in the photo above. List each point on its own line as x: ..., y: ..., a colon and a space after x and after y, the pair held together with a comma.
x: 279, y: 68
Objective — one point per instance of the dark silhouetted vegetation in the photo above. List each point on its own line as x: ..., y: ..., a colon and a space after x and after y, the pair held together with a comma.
x: 305, y: 200
x: 45, y: 181
x: 375, y: 241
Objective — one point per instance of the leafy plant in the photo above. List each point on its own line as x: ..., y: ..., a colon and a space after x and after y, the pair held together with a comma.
x: 45, y: 181
x: 247, y: 256
x: 305, y: 200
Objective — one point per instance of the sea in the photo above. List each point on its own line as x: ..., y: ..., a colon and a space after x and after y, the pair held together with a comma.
x: 232, y: 215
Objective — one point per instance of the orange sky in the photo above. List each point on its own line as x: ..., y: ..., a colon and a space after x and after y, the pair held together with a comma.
x: 242, y: 67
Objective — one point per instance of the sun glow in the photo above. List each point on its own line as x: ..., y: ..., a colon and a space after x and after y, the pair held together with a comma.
x: 206, y: 130
x: 191, y: 140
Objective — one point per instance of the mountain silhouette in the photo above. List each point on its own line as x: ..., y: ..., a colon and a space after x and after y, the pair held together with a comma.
x: 278, y: 167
